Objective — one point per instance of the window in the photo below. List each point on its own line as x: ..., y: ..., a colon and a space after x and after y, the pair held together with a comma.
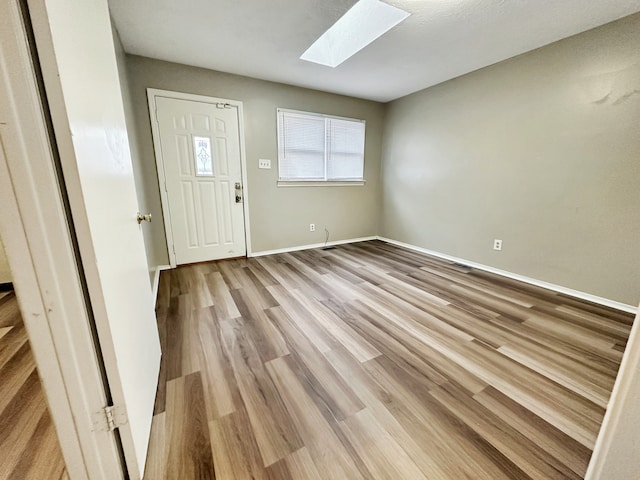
x: 319, y: 148
x: 203, y: 158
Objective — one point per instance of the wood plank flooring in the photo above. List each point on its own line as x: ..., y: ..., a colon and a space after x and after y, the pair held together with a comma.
x: 29, y: 447
x: 368, y: 361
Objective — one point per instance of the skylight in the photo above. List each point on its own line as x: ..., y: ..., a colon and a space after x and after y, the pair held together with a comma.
x: 362, y: 24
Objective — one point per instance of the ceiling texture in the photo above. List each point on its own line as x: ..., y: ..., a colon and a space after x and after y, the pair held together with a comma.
x: 442, y: 39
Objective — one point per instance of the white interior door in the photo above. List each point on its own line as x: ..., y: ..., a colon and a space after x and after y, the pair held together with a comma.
x: 81, y: 79
x: 200, y: 149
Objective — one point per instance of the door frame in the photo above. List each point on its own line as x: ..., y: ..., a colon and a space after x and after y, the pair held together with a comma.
x: 614, y: 453
x: 152, y: 94
x: 38, y: 233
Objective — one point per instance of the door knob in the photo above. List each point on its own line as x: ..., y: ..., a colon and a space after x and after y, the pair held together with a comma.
x: 143, y: 218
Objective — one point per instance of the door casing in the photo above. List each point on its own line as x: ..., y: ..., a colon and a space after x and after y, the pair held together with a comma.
x: 152, y: 94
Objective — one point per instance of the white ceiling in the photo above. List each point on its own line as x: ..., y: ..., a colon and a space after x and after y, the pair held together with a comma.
x: 442, y: 39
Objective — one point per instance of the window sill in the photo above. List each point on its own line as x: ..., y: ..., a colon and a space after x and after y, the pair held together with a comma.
x: 303, y: 183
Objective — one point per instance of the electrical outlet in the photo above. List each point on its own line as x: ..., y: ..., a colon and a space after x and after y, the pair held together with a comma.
x: 497, y: 244
x: 264, y: 163
x: 312, y: 227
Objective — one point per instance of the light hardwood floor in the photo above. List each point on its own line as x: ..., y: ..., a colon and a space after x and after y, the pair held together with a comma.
x: 29, y: 447
x: 368, y: 361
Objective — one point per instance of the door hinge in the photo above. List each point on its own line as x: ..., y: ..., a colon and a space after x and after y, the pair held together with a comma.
x: 109, y: 418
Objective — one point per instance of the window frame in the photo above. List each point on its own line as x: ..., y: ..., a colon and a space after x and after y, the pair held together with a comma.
x: 291, y: 182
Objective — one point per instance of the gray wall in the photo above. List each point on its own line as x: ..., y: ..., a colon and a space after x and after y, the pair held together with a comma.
x: 541, y: 151
x: 279, y: 217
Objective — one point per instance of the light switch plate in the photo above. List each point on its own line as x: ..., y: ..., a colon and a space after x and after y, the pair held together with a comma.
x: 264, y: 163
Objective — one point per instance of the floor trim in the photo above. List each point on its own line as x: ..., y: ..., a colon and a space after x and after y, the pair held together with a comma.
x: 515, y: 276
x: 532, y: 281
x: 310, y: 246
x: 156, y: 280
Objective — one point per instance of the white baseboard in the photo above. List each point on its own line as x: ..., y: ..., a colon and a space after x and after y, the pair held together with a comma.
x: 310, y: 246
x: 515, y: 276
x: 156, y: 280
x: 532, y: 281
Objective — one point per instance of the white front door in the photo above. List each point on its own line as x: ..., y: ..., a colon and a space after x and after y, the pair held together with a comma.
x: 200, y: 155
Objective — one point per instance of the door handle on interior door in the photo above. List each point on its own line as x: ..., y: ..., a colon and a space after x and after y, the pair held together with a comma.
x: 238, y: 192
x: 143, y: 218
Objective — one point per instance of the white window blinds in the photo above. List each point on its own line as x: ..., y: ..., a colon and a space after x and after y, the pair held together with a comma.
x: 314, y: 147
